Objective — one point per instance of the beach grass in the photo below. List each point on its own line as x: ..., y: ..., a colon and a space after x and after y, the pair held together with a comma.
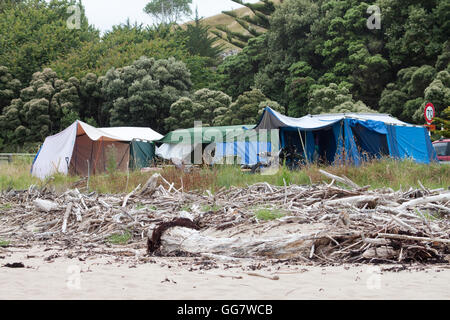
x: 376, y: 174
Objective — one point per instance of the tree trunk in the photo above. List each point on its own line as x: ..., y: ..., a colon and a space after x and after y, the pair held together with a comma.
x: 181, y: 239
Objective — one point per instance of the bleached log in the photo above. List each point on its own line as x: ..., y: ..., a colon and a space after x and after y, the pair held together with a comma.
x: 345, y: 180
x: 416, y: 202
x: 66, y: 217
x: 423, y: 188
x: 357, y: 200
x: 181, y: 239
x: 46, y: 205
x: 378, y: 242
x: 150, y: 187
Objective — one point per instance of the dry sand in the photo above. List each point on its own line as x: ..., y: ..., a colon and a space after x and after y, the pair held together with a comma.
x: 59, y: 274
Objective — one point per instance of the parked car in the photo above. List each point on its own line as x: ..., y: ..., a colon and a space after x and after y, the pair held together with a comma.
x: 442, y: 148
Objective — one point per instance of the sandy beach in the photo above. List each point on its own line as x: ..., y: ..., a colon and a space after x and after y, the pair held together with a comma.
x: 55, y: 273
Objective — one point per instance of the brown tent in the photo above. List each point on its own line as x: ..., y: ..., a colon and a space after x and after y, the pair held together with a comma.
x: 82, y: 149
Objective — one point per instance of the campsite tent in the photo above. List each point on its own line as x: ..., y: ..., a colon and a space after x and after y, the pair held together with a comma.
x: 350, y: 137
x: 82, y: 149
x: 183, y: 144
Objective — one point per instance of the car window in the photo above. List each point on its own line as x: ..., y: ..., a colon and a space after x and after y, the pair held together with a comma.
x: 441, y: 149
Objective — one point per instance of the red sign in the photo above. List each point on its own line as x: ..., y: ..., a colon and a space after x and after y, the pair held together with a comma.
x: 430, y: 113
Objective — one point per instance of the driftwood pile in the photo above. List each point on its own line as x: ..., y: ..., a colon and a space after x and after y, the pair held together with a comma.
x: 345, y: 225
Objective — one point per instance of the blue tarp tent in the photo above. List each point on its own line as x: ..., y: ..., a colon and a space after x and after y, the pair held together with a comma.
x: 350, y: 138
x: 247, y: 148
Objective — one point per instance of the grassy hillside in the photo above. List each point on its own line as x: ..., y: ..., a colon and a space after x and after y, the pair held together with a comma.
x: 229, y: 22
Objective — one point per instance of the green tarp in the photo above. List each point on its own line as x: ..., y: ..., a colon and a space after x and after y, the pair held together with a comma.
x: 141, y: 154
x: 204, y: 135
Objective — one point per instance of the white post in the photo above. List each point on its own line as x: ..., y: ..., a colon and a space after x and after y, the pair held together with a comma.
x: 89, y: 174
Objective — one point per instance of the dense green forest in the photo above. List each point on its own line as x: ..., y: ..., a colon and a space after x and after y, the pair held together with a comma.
x: 314, y: 56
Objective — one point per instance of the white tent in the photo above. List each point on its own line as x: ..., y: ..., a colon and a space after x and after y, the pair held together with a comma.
x: 83, y: 149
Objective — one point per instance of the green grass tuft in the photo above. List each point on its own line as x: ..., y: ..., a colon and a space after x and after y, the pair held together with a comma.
x: 4, y: 243
x: 5, y: 206
x: 120, y: 239
x: 269, y: 214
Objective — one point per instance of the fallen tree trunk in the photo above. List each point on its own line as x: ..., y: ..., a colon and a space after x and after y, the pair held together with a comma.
x: 191, y: 241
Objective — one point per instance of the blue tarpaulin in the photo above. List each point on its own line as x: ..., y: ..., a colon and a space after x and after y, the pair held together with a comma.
x: 351, y: 138
x: 411, y: 143
x: 246, y: 152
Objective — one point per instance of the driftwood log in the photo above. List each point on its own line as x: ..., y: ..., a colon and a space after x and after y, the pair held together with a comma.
x: 181, y: 239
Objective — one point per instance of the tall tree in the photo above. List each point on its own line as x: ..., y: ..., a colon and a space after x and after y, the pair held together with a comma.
x: 9, y: 87
x: 35, y: 32
x: 205, y: 105
x: 141, y: 94
x: 46, y: 106
x: 236, y: 74
x: 415, y: 87
x: 321, y: 42
x: 199, y: 41
x: 168, y: 11
x: 247, y: 109
x: 335, y: 99
x: 125, y: 44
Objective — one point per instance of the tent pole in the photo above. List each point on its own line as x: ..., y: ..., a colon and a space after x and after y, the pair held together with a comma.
x: 303, y: 145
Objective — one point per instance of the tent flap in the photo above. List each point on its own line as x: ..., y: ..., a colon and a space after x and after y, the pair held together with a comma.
x: 55, y: 154
x: 412, y: 143
x: 142, y: 153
